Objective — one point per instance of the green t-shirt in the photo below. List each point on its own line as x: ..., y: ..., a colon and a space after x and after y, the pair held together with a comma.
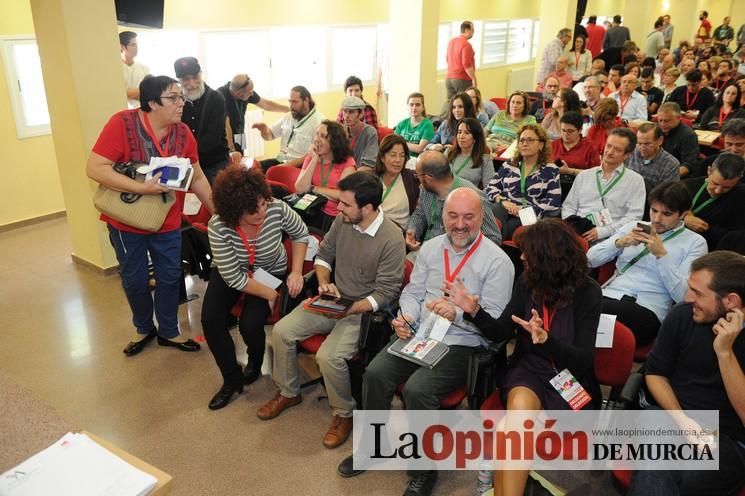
x: 424, y: 130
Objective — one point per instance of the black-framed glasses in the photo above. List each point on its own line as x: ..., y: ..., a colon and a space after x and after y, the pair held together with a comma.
x: 173, y: 98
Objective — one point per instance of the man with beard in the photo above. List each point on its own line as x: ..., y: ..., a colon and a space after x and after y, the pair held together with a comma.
x: 462, y: 253
x: 437, y: 180
x: 363, y: 138
x: 238, y: 93
x: 295, y: 130
x: 204, y: 113
x: 697, y: 364
x: 368, y: 253
x: 652, y: 262
x: 544, y: 102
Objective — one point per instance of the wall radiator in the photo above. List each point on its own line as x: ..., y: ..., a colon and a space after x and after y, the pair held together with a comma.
x: 520, y: 80
x: 254, y: 143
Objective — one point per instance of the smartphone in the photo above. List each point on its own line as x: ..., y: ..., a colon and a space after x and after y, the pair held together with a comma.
x: 644, y: 227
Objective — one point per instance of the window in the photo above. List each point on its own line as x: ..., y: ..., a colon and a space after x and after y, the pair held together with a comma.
x: 534, y: 50
x: 298, y: 56
x: 495, y: 42
x: 353, y: 52
x: 519, y: 41
x: 228, y: 53
x: 158, y: 50
x: 26, y: 86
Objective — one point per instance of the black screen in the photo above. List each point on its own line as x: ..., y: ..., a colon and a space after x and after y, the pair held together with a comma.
x: 139, y: 13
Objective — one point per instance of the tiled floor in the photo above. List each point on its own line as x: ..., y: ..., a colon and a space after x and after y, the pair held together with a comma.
x: 63, y: 329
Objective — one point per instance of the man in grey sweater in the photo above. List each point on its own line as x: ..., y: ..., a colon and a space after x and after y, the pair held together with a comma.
x: 367, y: 252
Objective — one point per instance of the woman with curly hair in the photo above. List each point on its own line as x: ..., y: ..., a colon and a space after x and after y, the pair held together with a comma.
x: 469, y: 158
x: 554, y: 314
x: 329, y: 161
x: 400, y: 185
x: 529, y: 179
x: 246, y: 241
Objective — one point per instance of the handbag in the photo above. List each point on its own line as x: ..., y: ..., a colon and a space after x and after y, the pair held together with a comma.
x: 146, y: 212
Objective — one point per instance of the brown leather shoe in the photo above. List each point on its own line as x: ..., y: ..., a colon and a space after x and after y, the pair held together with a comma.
x: 338, y: 432
x: 277, y: 405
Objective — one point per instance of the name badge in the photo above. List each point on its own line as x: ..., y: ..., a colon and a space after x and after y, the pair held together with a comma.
x: 527, y: 216
x: 570, y: 389
x: 602, y: 218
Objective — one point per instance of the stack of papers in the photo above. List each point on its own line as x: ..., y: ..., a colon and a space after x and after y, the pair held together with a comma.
x: 76, y: 465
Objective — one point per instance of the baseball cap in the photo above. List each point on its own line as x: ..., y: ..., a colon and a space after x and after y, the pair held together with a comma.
x: 186, y: 66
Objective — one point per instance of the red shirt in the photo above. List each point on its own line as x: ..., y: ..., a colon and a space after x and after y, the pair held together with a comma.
x: 598, y: 135
x: 583, y: 155
x: 124, y: 139
x: 704, y: 30
x: 330, y: 178
x: 460, y: 57
x: 595, y: 38
x: 565, y: 79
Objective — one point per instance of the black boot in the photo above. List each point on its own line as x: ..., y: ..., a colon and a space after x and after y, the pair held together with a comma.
x: 253, y: 370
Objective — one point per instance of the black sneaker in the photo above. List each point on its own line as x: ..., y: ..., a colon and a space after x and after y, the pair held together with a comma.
x: 421, y: 485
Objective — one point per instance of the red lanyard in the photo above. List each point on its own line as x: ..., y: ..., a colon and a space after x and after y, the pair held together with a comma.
x: 250, y: 247
x: 689, y: 104
x: 723, y: 116
x: 156, y: 141
x: 622, y: 103
x: 451, y: 277
x: 548, y: 318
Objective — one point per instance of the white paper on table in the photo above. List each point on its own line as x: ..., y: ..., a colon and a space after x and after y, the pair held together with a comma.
x: 265, y: 278
x: 191, y: 204
x: 527, y: 216
x: 606, y: 325
x: 312, y: 250
x: 75, y: 465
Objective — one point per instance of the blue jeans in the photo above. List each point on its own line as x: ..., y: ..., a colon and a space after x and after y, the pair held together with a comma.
x: 165, y: 252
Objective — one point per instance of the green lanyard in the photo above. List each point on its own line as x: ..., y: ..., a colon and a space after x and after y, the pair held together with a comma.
x: 325, y: 178
x: 469, y: 160
x: 708, y: 202
x: 299, y: 125
x: 603, y: 192
x: 389, y: 188
x: 523, y: 178
x: 645, y: 251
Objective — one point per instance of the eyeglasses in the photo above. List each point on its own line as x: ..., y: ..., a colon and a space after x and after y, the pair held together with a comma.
x: 527, y: 141
x: 173, y: 98
x: 569, y: 130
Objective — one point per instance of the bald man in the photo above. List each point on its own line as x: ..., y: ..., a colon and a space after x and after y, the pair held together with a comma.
x: 562, y: 74
x: 238, y: 93
x: 486, y: 272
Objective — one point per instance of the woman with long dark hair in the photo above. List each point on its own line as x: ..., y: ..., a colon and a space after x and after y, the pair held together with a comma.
x: 727, y: 107
x: 554, y: 314
x: 469, y: 158
x: 461, y: 106
x: 580, y: 59
x: 566, y: 101
x: 329, y: 161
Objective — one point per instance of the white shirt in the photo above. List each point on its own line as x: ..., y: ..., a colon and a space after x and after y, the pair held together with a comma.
x: 635, y: 108
x: 296, y: 136
x: 133, y: 76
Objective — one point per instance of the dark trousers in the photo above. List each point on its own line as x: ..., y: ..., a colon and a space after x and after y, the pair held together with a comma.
x: 165, y: 252
x: 510, y: 223
x: 726, y: 481
x: 642, y: 321
x: 218, y: 300
x: 212, y: 171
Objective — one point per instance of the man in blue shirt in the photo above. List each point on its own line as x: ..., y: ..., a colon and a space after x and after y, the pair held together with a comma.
x: 652, y: 262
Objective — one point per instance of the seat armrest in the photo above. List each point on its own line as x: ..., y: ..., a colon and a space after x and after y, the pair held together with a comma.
x: 630, y: 390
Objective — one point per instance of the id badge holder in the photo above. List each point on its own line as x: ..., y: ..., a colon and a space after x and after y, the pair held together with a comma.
x: 603, y: 217
x: 527, y: 216
x: 570, y: 389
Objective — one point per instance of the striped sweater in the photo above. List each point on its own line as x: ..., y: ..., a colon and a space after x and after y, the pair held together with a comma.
x: 229, y: 253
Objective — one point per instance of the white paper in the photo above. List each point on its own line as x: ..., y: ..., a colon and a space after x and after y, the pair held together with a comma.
x: 191, y: 204
x: 433, y: 327
x: 265, y: 278
x: 247, y: 162
x: 509, y: 152
x: 527, y: 216
x: 312, y: 250
x: 606, y: 325
x: 75, y: 465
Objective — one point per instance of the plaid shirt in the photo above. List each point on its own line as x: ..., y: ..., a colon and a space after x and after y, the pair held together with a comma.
x: 663, y: 167
x: 370, y: 116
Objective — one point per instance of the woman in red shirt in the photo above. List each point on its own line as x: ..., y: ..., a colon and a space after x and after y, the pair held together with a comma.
x: 606, y: 119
